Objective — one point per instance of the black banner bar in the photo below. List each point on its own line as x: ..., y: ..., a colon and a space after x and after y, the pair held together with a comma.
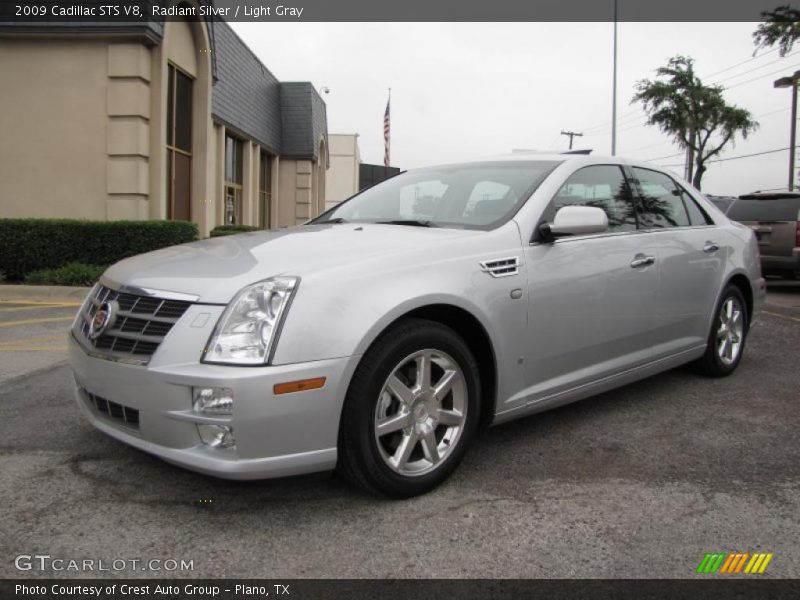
x: 399, y: 589
x: 139, y: 12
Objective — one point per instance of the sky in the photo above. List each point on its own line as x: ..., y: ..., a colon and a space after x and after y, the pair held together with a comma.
x: 467, y: 90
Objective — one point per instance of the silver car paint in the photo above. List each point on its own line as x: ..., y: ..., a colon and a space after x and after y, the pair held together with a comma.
x: 585, y: 320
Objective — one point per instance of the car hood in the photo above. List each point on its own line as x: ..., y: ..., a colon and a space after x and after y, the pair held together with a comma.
x: 215, y: 269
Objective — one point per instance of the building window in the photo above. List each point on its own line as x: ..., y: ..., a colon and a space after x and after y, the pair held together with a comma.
x: 179, y: 144
x: 233, y: 181
x: 265, y: 188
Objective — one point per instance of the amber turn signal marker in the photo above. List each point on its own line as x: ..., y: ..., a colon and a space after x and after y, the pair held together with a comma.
x: 298, y: 386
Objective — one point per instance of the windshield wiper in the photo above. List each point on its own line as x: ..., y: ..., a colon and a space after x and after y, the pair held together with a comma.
x: 336, y: 220
x: 410, y: 222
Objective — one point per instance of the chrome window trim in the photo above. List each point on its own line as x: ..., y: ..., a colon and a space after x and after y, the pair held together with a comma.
x: 574, y: 238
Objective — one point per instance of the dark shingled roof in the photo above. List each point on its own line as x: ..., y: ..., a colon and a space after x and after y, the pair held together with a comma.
x: 303, y: 118
x: 246, y: 96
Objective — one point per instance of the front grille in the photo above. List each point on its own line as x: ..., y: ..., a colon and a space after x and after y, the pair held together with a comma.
x: 141, y: 323
x: 116, y: 412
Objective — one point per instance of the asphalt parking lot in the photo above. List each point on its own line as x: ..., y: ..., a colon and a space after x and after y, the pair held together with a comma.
x: 639, y: 482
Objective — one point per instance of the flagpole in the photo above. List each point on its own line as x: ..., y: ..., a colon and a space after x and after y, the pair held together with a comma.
x: 387, y: 132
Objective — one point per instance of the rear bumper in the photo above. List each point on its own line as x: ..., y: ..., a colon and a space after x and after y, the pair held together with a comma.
x: 781, y: 263
x: 276, y: 436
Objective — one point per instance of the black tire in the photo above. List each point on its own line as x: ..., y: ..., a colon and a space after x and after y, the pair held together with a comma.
x: 711, y: 364
x: 359, y: 457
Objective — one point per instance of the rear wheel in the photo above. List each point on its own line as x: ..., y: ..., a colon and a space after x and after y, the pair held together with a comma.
x: 727, y: 337
x: 411, y: 410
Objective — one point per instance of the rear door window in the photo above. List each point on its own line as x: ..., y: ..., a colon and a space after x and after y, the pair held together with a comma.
x: 660, y: 201
x: 777, y: 209
x: 696, y: 214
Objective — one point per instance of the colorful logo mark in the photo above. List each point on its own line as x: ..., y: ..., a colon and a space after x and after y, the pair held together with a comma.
x: 735, y: 562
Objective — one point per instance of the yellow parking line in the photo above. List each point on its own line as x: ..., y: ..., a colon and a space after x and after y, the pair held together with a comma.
x: 40, y: 302
x: 38, y: 307
x: 779, y: 315
x: 32, y: 348
x: 33, y: 321
x: 51, y: 338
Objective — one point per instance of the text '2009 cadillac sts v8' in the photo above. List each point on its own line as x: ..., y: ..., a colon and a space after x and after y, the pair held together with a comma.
x: 377, y: 337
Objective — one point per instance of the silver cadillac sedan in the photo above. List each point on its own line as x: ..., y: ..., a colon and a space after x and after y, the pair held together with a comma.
x: 378, y: 337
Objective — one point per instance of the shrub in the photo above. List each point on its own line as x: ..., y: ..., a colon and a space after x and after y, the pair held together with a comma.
x: 74, y: 273
x: 28, y: 245
x: 232, y: 229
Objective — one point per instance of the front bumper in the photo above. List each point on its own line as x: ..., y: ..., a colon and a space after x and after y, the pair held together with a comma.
x: 276, y: 436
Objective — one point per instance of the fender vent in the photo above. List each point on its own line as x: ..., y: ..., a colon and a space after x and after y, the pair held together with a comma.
x: 501, y: 267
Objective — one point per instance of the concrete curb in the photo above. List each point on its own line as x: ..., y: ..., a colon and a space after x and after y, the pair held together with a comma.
x: 40, y: 293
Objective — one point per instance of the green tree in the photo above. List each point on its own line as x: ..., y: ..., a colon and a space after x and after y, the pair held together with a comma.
x: 694, y: 115
x: 781, y: 26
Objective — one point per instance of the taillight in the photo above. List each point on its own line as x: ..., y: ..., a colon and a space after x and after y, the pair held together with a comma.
x: 797, y: 235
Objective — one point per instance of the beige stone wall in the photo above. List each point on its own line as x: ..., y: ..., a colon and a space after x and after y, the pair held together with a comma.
x: 54, y: 124
x: 83, y: 127
x: 128, y: 110
x: 295, y: 192
x: 342, y: 176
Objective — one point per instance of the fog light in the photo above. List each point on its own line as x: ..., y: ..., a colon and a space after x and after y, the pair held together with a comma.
x: 215, y: 401
x: 216, y: 436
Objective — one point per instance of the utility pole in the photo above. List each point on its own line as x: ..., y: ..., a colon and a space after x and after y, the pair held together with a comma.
x: 614, y: 91
x: 791, y: 82
x: 571, y: 135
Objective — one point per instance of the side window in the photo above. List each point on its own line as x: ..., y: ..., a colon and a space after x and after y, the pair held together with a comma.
x: 696, y: 214
x: 602, y: 186
x: 661, y: 203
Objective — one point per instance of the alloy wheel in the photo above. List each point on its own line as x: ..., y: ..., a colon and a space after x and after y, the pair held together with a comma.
x: 420, y: 412
x: 730, y: 331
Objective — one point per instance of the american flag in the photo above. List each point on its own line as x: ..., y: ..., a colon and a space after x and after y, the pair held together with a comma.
x: 386, y: 132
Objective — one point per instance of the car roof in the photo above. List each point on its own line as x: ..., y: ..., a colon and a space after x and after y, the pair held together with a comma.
x: 578, y: 156
x: 528, y: 155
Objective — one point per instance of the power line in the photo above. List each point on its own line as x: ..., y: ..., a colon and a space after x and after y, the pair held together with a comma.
x: 781, y: 70
x: 716, y: 160
x: 600, y: 129
x: 752, y: 58
x: 772, y: 62
x: 766, y: 114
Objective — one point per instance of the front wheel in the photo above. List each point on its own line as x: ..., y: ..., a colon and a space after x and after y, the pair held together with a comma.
x: 411, y: 410
x: 727, y: 337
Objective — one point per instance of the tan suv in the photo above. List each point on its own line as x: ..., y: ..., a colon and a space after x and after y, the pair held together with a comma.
x: 775, y: 219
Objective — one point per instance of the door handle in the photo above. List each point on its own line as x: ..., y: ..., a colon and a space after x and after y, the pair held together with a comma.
x: 710, y: 247
x: 642, y: 261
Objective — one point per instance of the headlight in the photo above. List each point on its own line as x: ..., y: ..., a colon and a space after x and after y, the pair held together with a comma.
x: 247, y: 330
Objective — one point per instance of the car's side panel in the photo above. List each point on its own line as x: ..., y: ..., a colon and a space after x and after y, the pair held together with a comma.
x: 690, y: 277
x: 341, y: 312
x: 591, y: 312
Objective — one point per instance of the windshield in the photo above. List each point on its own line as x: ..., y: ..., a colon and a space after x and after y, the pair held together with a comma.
x: 470, y: 196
